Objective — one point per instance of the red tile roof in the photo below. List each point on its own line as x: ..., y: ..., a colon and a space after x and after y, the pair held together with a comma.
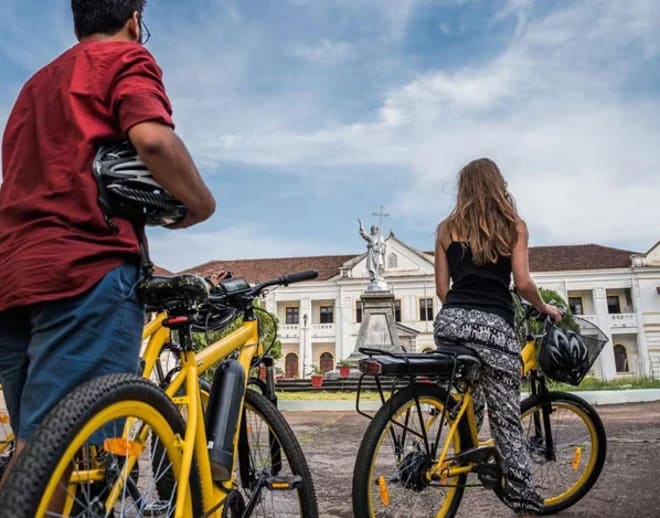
x: 541, y: 259
x: 577, y: 257
x: 256, y: 270
x: 158, y: 270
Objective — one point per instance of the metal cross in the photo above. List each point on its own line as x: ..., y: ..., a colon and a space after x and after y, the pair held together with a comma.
x: 380, y: 215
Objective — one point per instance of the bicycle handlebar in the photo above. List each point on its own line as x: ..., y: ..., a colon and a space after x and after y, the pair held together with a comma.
x: 284, y: 280
x: 220, y: 293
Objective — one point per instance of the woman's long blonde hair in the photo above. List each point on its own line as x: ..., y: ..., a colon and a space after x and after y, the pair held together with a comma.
x: 485, y: 215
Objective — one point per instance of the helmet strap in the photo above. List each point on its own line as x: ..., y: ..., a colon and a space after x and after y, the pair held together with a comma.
x: 146, y: 266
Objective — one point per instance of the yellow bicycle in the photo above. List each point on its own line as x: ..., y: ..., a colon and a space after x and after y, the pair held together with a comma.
x: 122, y: 446
x: 7, y: 440
x: 423, y: 442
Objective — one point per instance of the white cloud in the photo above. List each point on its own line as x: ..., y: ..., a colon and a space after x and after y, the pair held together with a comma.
x: 325, y: 52
x: 559, y: 108
x: 552, y: 108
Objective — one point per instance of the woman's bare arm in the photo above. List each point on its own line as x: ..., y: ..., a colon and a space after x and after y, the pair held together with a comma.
x: 441, y: 267
x: 523, y: 280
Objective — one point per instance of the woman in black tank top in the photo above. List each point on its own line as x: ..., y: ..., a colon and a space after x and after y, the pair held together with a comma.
x: 478, y: 247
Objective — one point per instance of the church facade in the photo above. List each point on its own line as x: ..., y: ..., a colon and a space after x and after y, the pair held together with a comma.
x: 319, y: 320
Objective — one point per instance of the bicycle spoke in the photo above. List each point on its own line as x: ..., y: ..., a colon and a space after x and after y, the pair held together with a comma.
x: 401, y: 482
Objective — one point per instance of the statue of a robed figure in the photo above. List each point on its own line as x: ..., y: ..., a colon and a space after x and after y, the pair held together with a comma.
x: 378, y: 326
x: 375, y: 257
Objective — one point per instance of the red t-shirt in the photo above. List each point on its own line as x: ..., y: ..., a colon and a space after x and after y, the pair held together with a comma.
x: 54, y: 241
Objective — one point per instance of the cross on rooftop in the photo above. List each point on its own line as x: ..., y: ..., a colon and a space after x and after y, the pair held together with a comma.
x: 380, y: 215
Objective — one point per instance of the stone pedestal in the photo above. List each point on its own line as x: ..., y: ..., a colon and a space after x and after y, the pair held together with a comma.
x: 378, y: 327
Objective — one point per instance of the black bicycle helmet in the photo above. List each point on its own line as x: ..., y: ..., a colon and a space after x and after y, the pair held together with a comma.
x: 127, y: 189
x: 563, y: 355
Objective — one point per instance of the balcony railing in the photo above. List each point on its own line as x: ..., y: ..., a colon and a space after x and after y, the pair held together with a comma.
x: 623, y: 320
x: 591, y: 318
x: 289, y: 330
x: 323, y: 330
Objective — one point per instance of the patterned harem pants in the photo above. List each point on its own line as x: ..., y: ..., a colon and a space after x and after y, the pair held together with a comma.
x: 493, y: 340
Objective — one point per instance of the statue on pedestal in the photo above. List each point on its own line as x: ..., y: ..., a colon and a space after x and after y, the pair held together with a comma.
x: 375, y: 257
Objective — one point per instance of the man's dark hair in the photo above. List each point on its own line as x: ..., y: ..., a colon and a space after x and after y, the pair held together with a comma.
x: 103, y: 16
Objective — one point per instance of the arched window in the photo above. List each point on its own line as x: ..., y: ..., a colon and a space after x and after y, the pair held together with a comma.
x: 392, y: 261
x: 326, y: 362
x: 621, y: 358
x: 291, y: 365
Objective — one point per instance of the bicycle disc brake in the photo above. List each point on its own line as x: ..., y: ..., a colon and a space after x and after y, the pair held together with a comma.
x: 413, y: 469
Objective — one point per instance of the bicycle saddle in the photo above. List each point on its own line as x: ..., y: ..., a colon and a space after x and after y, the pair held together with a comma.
x: 178, y: 292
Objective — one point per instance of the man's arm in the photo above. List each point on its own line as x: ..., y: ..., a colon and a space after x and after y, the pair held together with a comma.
x: 172, y: 166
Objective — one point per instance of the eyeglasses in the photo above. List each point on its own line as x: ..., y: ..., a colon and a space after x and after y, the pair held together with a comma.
x: 145, y: 33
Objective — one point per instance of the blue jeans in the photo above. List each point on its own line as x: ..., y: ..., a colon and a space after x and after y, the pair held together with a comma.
x: 46, y: 350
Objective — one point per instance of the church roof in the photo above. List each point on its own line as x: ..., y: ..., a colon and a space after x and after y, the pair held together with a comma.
x: 577, y: 257
x: 541, y: 259
x: 256, y: 270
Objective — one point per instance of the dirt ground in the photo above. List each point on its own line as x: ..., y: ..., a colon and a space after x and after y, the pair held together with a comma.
x: 629, y: 486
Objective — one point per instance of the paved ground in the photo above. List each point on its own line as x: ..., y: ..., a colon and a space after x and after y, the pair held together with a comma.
x: 629, y: 486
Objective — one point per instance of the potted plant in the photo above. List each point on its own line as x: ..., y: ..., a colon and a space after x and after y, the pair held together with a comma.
x: 316, y: 377
x: 344, y: 367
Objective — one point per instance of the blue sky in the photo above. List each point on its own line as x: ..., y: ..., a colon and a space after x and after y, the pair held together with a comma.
x: 304, y: 115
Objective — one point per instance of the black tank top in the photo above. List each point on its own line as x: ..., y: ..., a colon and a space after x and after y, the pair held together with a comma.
x: 484, y: 287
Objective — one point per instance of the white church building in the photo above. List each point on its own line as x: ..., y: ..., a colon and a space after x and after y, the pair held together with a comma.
x: 319, y: 320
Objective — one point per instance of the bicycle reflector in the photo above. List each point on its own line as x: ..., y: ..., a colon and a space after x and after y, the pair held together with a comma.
x: 370, y: 366
x: 577, y: 457
x: 384, y: 492
x: 122, y: 447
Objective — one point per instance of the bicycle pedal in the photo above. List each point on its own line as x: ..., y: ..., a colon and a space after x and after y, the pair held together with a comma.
x: 475, y: 455
x: 489, y: 475
x: 283, y: 483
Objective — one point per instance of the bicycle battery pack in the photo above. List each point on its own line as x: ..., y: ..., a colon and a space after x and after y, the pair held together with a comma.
x: 222, y: 417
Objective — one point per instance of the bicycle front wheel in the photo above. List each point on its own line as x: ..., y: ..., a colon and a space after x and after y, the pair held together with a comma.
x: 7, y: 442
x: 393, y: 472
x: 567, y: 472
x: 272, y: 475
x: 94, y: 456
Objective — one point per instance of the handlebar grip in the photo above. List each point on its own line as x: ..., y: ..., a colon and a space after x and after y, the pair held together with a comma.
x: 299, y: 277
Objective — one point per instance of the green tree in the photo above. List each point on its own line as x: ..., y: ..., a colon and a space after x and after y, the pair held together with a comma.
x: 550, y: 297
x: 267, y: 331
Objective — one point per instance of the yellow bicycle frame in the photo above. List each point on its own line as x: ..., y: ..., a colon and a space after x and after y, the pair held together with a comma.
x: 245, y: 344
x: 442, y: 469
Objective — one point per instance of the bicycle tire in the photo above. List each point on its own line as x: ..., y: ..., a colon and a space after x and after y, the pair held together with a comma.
x: 569, y: 414
x: 424, y: 500
x: 252, y: 461
x: 66, y: 432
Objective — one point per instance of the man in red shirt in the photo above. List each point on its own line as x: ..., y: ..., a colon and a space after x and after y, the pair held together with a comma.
x: 68, y: 310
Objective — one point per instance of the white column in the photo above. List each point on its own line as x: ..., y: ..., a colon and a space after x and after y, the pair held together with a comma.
x: 606, y: 358
x: 343, y: 322
x: 301, y: 344
x: 305, y: 337
x: 642, y: 346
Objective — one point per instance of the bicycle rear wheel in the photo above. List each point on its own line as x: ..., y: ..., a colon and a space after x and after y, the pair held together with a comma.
x: 272, y: 475
x: 391, y: 475
x: 579, y: 447
x: 95, y: 452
